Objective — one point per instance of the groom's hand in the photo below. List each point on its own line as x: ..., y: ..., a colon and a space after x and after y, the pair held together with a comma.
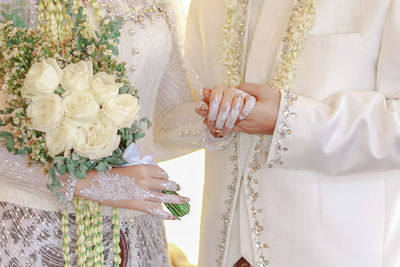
x: 262, y: 119
x: 252, y: 109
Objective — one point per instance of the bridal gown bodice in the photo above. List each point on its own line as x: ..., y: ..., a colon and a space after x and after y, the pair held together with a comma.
x: 155, y: 66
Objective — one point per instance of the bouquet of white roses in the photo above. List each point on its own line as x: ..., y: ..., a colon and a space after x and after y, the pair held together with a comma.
x: 69, y: 105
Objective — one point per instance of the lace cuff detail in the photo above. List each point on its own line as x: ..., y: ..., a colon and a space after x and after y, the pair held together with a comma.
x: 282, y: 130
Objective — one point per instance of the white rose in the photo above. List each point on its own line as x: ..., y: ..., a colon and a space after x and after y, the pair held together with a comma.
x: 80, y: 108
x: 60, y: 139
x: 77, y: 76
x: 122, y: 110
x: 46, y: 113
x: 104, y: 87
x: 97, y: 140
x: 42, y: 78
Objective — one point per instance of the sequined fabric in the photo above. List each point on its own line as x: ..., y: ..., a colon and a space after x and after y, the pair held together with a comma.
x: 30, y: 237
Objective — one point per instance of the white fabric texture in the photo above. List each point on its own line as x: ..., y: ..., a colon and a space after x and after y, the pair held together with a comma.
x: 160, y: 75
x: 334, y: 199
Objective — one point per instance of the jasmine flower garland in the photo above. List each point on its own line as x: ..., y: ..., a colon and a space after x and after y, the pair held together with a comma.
x: 232, y: 56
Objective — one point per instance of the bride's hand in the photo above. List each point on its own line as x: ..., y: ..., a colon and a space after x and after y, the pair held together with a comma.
x: 131, y: 188
x: 223, y: 107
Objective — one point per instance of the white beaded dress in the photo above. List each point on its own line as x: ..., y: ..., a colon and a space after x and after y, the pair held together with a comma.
x: 30, y: 233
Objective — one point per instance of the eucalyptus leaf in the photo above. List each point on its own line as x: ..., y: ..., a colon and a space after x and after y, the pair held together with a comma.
x: 61, y: 168
x: 71, y: 165
x: 53, y: 177
x: 25, y: 150
x: 102, y: 166
x: 6, y: 111
x: 8, y: 138
x: 116, y: 161
x: 90, y: 165
x: 80, y: 172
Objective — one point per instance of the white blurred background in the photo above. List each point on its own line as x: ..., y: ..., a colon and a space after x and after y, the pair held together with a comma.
x: 188, y: 171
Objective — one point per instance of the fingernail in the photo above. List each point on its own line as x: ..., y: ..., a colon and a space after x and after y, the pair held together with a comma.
x: 178, y: 188
x: 170, y: 186
x: 214, y: 107
x: 223, y: 116
x: 163, y: 173
x: 185, y: 199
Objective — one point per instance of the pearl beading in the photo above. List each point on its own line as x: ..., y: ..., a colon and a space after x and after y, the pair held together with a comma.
x: 153, y: 11
x: 284, y: 130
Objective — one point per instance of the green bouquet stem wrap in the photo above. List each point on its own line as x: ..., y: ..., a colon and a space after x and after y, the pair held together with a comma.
x: 178, y: 210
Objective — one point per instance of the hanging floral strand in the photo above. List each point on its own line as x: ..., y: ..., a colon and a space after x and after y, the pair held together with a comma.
x: 54, y: 19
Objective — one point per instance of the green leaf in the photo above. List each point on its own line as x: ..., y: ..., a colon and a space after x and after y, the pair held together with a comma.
x: 138, y: 136
x: 90, y: 165
x: 118, y: 153
x: 53, y: 177
x: 61, y: 168
x: 15, y: 15
x: 59, y: 159
x: 69, y: 6
x: 60, y: 90
x: 6, y: 111
x: 53, y: 184
x: 125, y: 89
x: 102, y: 166
x: 80, y: 172
x: 71, y: 165
x: 115, y: 161
x: 25, y: 150
x: 8, y: 138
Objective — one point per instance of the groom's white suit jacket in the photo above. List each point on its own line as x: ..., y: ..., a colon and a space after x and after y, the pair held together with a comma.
x: 335, y: 200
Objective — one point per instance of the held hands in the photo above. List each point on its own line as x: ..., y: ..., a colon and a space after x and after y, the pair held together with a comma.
x: 250, y: 108
x: 132, y: 187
